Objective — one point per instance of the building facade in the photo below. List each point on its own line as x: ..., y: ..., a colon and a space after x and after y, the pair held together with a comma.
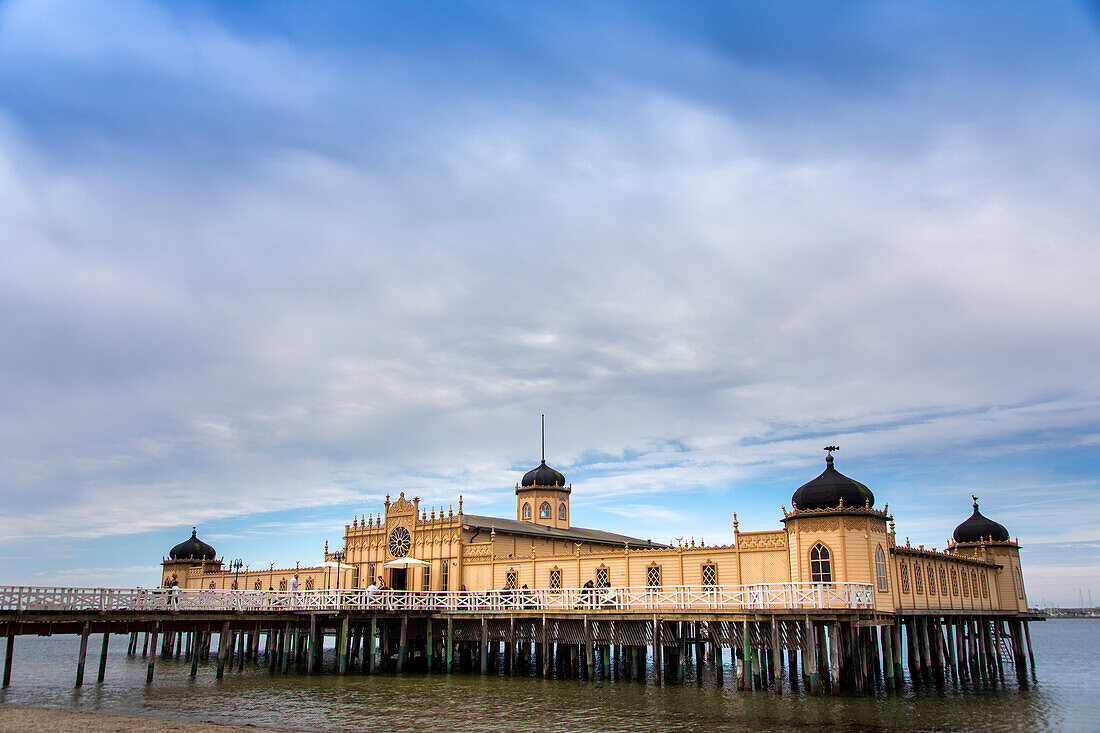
x: 832, y: 534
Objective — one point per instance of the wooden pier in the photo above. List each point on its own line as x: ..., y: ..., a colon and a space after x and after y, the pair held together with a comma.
x: 821, y: 638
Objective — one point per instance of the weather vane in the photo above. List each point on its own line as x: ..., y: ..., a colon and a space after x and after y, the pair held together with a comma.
x: 831, y: 448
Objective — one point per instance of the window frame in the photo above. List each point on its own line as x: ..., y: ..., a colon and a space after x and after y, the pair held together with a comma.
x: 525, y: 511
x: 653, y: 571
x: 881, y: 581
x: 713, y: 568
x: 545, y: 512
x: 821, y: 566
x: 555, y: 578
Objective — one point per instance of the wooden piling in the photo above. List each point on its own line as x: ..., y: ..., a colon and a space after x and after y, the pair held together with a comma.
x: 195, y: 636
x: 153, y: 656
x: 484, y: 649
x: 1030, y: 654
x: 746, y: 650
x: 777, y: 657
x: 834, y: 658
x: 809, y: 661
x: 103, y: 657
x: 82, y: 654
x: 9, y: 656
x: 223, y: 649
x: 658, y: 677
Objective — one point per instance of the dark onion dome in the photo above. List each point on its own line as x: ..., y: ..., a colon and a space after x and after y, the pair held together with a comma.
x: 192, y: 549
x: 827, y: 490
x: 980, y: 529
x: 543, y: 476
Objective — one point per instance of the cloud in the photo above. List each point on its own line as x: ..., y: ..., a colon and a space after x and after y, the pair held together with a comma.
x: 257, y: 268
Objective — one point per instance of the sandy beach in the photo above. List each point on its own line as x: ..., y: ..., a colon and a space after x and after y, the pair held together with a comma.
x: 14, y: 719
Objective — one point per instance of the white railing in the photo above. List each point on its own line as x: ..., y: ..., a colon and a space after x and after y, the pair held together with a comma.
x: 767, y: 596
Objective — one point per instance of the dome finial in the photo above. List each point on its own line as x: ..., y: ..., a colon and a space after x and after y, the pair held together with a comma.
x: 544, y: 438
x: 975, y: 500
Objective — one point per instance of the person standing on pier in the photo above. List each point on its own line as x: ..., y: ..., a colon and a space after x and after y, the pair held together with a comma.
x: 294, y: 583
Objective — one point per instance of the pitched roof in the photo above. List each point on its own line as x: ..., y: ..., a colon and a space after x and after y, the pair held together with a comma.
x: 576, y: 534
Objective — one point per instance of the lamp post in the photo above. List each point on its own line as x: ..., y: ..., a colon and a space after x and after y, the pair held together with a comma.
x: 339, y: 558
x: 236, y: 565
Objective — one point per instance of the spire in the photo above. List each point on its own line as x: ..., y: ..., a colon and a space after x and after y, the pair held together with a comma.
x: 544, y: 438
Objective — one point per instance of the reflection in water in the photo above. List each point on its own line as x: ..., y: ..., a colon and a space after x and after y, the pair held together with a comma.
x: 1059, y: 699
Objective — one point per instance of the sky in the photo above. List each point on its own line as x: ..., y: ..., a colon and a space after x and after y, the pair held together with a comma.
x: 262, y: 264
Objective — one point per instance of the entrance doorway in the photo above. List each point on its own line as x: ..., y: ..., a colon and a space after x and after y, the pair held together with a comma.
x: 397, y: 578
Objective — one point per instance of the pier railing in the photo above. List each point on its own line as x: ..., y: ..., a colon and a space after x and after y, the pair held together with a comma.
x: 767, y: 596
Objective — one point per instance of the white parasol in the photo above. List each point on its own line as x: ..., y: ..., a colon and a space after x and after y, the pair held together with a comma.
x: 405, y: 562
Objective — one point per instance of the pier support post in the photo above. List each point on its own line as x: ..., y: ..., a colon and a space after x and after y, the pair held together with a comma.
x: 428, y: 650
x: 223, y: 649
x: 834, y: 658
x: 145, y: 645
x: 588, y: 650
x: 484, y: 646
x: 888, y: 656
x: 809, y: 661
x: 287, y: 650
x: 716, y: 650
x: 1030, y: 654
x: 342, y: 646
x: 450, y: 645
x: 312, y: 656
x: 658, y: 677
x: 746, y: 653
x: 83, y: 653
x: 547, y: 652
x: 153, y: 656
x: 103, y: 657
x: 195, y: 636
x: 372, y: 644
x: 9, y: 655
x: 777, y: 658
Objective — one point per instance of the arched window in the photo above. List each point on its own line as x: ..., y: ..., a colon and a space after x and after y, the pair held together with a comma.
x: 544, y: 510
x: 985, y: 587
x: 257, y: 586
x: 880, y: 568
x: 282, y: 585
x: 966, y: 586
x: 931, y: 581
x: 561, y: 512
x: 526, y: 511
x: 904, y: 578
x: 943, y: 582
x: 954, y: 581
x: 309, y: 583
x: 510, y: 580
x: 1019, y: 584
x: 974, y: 582
x: 918, y: 579
x: 211, y: 585
x: 821, y: 567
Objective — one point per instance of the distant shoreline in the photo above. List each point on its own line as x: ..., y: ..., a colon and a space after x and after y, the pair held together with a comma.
x: 18, y: 719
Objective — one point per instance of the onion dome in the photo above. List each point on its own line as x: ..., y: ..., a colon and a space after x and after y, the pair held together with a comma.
x: 192, y: 549
x: 543, y: 476
x: 980, y: 529
x: 830, y: 488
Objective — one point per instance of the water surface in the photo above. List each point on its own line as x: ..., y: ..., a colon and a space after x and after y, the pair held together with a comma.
x: 1061, y: 697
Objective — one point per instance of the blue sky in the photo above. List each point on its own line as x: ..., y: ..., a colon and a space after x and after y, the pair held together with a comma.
x: 264, y: 263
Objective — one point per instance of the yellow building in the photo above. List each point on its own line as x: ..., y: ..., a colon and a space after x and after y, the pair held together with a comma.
x: 832, y: 534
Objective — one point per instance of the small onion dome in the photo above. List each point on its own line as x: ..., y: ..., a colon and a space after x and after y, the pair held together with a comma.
x: 543, y: 476
x: 192, y: 549
x: 827, y: 490
x: 979, y: 529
